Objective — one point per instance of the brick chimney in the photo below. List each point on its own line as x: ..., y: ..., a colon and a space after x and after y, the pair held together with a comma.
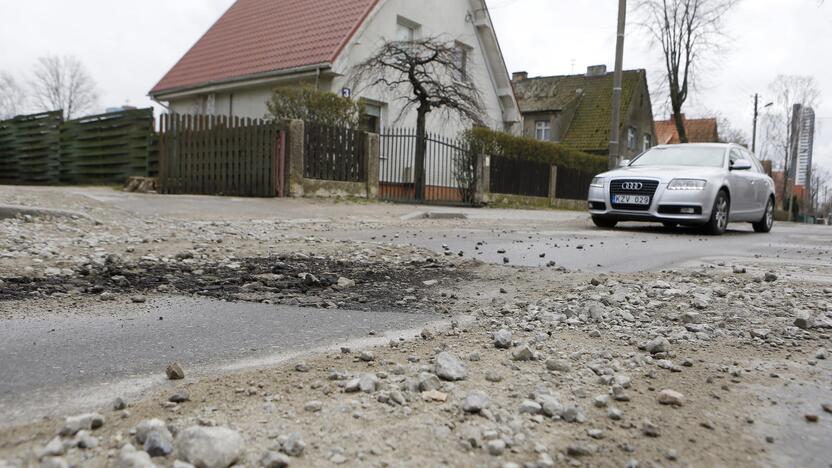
x: 519, y: 76
x: 596, y: 70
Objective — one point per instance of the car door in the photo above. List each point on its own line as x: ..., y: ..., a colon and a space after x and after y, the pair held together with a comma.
x: 742, y: 190
x: 760, y: 184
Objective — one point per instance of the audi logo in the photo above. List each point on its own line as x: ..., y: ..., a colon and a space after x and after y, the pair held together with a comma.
x: 632, y: 186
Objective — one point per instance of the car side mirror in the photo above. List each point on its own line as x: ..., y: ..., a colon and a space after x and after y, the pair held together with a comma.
x: 624, y: 163
x: 741, y: 165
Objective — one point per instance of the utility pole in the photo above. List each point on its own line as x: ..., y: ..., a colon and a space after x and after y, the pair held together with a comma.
x: 754, y: 132
x: 615, y: 145
x: 756, y: 115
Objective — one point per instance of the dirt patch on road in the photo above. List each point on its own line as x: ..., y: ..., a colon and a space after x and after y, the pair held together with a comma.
x: 326, y: 282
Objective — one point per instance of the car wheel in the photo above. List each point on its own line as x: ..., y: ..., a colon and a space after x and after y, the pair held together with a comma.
x: 764, y: 225
x: 604, y: 222
x: 670, y: 225
x: 719, y: 215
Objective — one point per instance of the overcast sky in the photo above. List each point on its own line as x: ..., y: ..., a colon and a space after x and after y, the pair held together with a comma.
x: 128, y: 46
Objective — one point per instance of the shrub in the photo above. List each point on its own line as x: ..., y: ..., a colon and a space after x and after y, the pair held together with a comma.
x: 489, y: 142
x: 304, y: 102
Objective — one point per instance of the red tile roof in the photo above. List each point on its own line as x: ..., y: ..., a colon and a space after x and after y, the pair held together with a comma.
x: 698, y: 130
x: 261, y: 36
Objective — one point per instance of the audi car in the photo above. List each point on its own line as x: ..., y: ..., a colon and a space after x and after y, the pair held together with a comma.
x: 707, y: 185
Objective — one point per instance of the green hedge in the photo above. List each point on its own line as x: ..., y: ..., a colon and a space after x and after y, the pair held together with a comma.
x: 489, y: 142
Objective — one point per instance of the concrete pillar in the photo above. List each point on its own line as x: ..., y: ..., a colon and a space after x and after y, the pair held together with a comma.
x: 372, y: 159
x: 553, y: 184
x: 294, y: 157
x: 486, y: 178
x: 483, y: 179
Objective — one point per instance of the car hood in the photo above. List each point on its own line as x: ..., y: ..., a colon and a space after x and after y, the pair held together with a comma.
x: 665, y: 173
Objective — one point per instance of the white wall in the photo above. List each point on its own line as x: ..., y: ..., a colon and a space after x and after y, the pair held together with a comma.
x: 449, y: 19
x: 248, y: 101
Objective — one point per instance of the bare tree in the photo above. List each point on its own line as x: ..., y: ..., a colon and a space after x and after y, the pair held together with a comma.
x: 788, y: 90
x: 426, y: 74
x: 687, y: 31
x: 730, y: 134
x: 12, y: 96
x: 818, y: 188
x: 62, y: 83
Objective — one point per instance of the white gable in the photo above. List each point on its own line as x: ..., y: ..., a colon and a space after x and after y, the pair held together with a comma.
x: 465, y: 21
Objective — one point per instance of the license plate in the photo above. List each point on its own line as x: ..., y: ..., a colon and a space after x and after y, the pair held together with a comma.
x: 631, y: 199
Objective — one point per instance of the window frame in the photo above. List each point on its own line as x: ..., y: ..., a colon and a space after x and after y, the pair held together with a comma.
x: 413, y: 27
x: 544, y: 126
x: 632, y: 142
x: 646, y: 142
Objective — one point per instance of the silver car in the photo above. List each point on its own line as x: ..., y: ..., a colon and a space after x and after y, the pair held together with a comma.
x: 706, y: 184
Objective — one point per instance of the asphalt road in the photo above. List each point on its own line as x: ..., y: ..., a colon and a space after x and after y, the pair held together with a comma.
x: 58, y: 362
x: 574, y: 244
x: 61, y: 360
x: 567, y: 237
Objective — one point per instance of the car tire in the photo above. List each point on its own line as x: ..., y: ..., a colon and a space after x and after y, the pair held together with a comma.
x: 719, y: 214
x: 764, y: 225
x: 604, y: 222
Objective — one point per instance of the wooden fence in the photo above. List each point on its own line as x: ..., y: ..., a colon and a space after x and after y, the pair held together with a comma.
x: 519, y: 177
x: 221, y: 156
x: 105, y: 148
x: 9, y: 172
x: 334, y: 153
x: 30, y: 149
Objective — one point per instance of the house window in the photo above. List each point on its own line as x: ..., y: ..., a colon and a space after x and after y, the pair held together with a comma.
x: 406, y: 30
x: 461, y: 57
x: 543, y: 130
x: 205, y: 104
x: 648, y: 141
x: 371, y: 118
x: 631, y: 138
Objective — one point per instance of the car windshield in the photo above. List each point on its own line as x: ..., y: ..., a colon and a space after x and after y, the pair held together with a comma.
x: 698, y: 156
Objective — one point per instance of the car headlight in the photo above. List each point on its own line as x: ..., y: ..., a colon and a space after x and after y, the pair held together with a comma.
x: 686, y: 184
x: 597, y: 182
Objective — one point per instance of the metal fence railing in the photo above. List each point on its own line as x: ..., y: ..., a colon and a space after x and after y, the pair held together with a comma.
x: 449, y: 168
x: 519, y: 177
x: 573, y: 184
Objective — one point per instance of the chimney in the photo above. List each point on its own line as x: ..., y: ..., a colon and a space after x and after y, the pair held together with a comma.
x: 596, y: 70
x: 519, y: 76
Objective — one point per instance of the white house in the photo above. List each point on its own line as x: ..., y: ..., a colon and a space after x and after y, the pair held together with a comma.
x: 258, y: 45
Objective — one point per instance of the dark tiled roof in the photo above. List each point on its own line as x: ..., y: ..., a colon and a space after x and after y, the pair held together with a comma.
x: 261, y: 36
x: 590, y: 127
x: 698, y: 130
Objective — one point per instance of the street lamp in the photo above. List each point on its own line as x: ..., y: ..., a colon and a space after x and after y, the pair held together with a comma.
x: 757, y: 113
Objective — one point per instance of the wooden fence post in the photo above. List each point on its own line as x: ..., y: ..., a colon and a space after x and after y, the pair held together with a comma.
x: 553, y: 184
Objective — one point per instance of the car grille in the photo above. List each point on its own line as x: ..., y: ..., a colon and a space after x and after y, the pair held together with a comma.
x: 648, y: 188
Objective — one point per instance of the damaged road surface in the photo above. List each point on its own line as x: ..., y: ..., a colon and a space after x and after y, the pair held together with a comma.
x: 106, y: 327
x: 50, y: 362
x: 505, y: 361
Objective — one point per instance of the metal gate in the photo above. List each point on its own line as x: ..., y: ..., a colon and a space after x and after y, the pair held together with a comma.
x: 449, y: 169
